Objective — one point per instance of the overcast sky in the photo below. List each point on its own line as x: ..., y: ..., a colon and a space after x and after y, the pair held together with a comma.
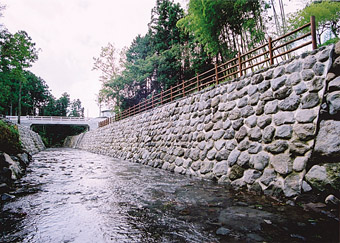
x: 70, y: 33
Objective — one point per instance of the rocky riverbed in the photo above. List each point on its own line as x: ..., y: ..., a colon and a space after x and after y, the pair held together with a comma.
x: 71, y: 195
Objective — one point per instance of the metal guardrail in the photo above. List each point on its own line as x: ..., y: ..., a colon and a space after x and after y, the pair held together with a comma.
x: 236, y: 67
x: 48, y: 118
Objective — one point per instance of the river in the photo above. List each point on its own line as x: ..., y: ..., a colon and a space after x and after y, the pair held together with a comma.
x: 71, y: 195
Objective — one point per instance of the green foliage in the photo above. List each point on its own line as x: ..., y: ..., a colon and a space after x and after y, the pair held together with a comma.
x: 153, y: 62
x: 327, y: 17
x: 35, y: 94
x: 59, y: 107
x: 21, y: 91
x: 9, y: 139
x: 331, y: 41
x: 17, y: 52
x: 76, y: 110
x: 221, y: 26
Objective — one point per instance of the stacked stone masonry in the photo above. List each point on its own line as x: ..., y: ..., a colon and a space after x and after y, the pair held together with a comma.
x: 30, y: 140
x: 256, y: 132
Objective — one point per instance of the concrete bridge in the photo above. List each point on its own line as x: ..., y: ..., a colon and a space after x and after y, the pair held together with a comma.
x: 29, y: 121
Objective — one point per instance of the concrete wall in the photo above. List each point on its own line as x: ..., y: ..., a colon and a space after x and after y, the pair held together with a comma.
x: 256, y: 132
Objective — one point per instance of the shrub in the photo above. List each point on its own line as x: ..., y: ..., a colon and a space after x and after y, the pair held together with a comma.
x: 9, y: 139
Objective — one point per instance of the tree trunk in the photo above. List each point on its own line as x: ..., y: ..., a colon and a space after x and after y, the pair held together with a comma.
x: 19, y: 101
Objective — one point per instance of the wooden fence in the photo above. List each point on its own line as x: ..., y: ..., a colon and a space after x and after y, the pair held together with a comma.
x: 260, y: 57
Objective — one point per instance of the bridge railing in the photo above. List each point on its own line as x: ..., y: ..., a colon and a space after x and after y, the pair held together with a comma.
x: 256, y: 59
x: 47, y: 118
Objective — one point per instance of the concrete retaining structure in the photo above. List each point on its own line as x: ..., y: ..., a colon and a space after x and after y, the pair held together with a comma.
x: 256, y: 132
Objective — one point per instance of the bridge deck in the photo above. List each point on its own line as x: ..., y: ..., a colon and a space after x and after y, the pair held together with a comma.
x: 56, y: 120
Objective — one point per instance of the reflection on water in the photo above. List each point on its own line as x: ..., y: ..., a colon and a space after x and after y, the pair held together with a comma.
x: 75, y: 196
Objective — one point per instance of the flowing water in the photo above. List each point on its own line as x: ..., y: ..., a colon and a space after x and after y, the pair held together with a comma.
x: 71, y: 195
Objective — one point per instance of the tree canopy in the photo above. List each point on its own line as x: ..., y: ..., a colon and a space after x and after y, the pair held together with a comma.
x: 327, y: 17
x: 225, y: 27
x: 21, y: 91
x: 164, y: 56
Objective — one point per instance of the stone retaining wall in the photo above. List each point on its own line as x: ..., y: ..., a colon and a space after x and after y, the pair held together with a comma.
x: 256, y: 132
x: 31, y: 141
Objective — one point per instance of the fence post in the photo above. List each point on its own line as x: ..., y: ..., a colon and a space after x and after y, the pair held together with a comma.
x: 161, y: 97
x: 171, y: 93
x: 152, y: 101
x: 313, y: 32
x: 270, y: 47
x: 198, y: 83
x: 239, y: 63
x: 216, y: 73
x: 183, y: 88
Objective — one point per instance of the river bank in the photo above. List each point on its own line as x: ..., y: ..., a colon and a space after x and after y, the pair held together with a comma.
x: 17, y: 145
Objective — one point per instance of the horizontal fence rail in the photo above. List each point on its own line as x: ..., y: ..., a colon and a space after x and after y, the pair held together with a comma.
x: 47, y: 118
x: 260, y: 57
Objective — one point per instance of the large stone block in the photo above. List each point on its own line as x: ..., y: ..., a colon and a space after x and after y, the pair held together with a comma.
x: 255, y: 134
x: 293, y: 79
x: 251, y: 175
x: 282, y: 164
x: 336, y: 65
x: 310, y: 100
x: 206, y: 167
x: 285, y: 117
x: 236, y: 125
x: 268, y: 134
x: 328, y: 140
x: 243, y: 159
x: 323, y: 176
x: 290, y: 103
x: 257, y: 79
x: 292, y: 185
x: 305, y: 116
x: 305, y: 131
x: 300, y: 88
x: 233, y: 156
x: 294, y: 67
x: 220, y: 168
x: 279, y: 71
x: 307, y: 74
x: 337, y: 48
x: 278, y: 82
x: 259, y: 161
x: 271, y: 107
x: 284, y: 132
x: 268, y: 176
x: 334, y: 85
x: 333, y: 100
x: 319, y: 68
x: 236, y: 172
x: 309, y: 62
x: 277, y: 147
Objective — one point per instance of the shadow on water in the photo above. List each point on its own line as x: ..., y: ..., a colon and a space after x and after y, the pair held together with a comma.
x: 75, y: 196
